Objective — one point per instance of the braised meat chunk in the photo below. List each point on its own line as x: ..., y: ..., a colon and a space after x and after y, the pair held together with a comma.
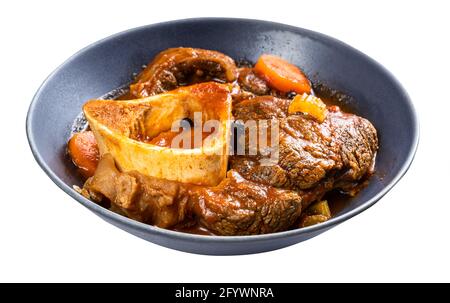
x: 234, y: 207
x: 343, y: 147
x: 181, y: 66
x: 251, y: 82
x: 241, y: 207
x: 143, y: 198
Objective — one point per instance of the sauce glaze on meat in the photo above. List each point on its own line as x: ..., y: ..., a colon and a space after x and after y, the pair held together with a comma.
x: 316, y: 159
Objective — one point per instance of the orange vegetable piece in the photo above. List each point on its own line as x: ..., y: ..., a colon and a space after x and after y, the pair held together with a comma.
x: 84, y: 152
x: 282, y: 75
x: 308, y: 104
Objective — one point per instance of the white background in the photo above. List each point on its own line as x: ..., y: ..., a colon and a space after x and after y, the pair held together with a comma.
x: 47, y: 236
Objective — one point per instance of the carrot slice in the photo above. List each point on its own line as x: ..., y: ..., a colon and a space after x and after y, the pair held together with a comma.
x: 84, y: 152
x: 282, y: 75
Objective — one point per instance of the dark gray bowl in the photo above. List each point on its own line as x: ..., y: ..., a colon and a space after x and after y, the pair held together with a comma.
x: 110, y: 63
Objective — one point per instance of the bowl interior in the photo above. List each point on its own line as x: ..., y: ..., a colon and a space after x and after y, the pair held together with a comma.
x: 111, y: 62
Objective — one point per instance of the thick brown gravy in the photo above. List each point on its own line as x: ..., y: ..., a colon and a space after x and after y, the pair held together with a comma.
x: 168, y: 70
x: 337, y: 200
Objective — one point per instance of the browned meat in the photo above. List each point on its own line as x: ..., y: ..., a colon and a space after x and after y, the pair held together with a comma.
x: 151, y: 200
x: 234, y: 207
x: 358, y: 142
x: 250, y: 82
x: 343, y: 147
x: 183, y: 66
x: 241, y: 207
x: 263, y: 107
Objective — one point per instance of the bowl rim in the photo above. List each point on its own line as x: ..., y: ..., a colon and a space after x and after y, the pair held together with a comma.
x: 146, y: 228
